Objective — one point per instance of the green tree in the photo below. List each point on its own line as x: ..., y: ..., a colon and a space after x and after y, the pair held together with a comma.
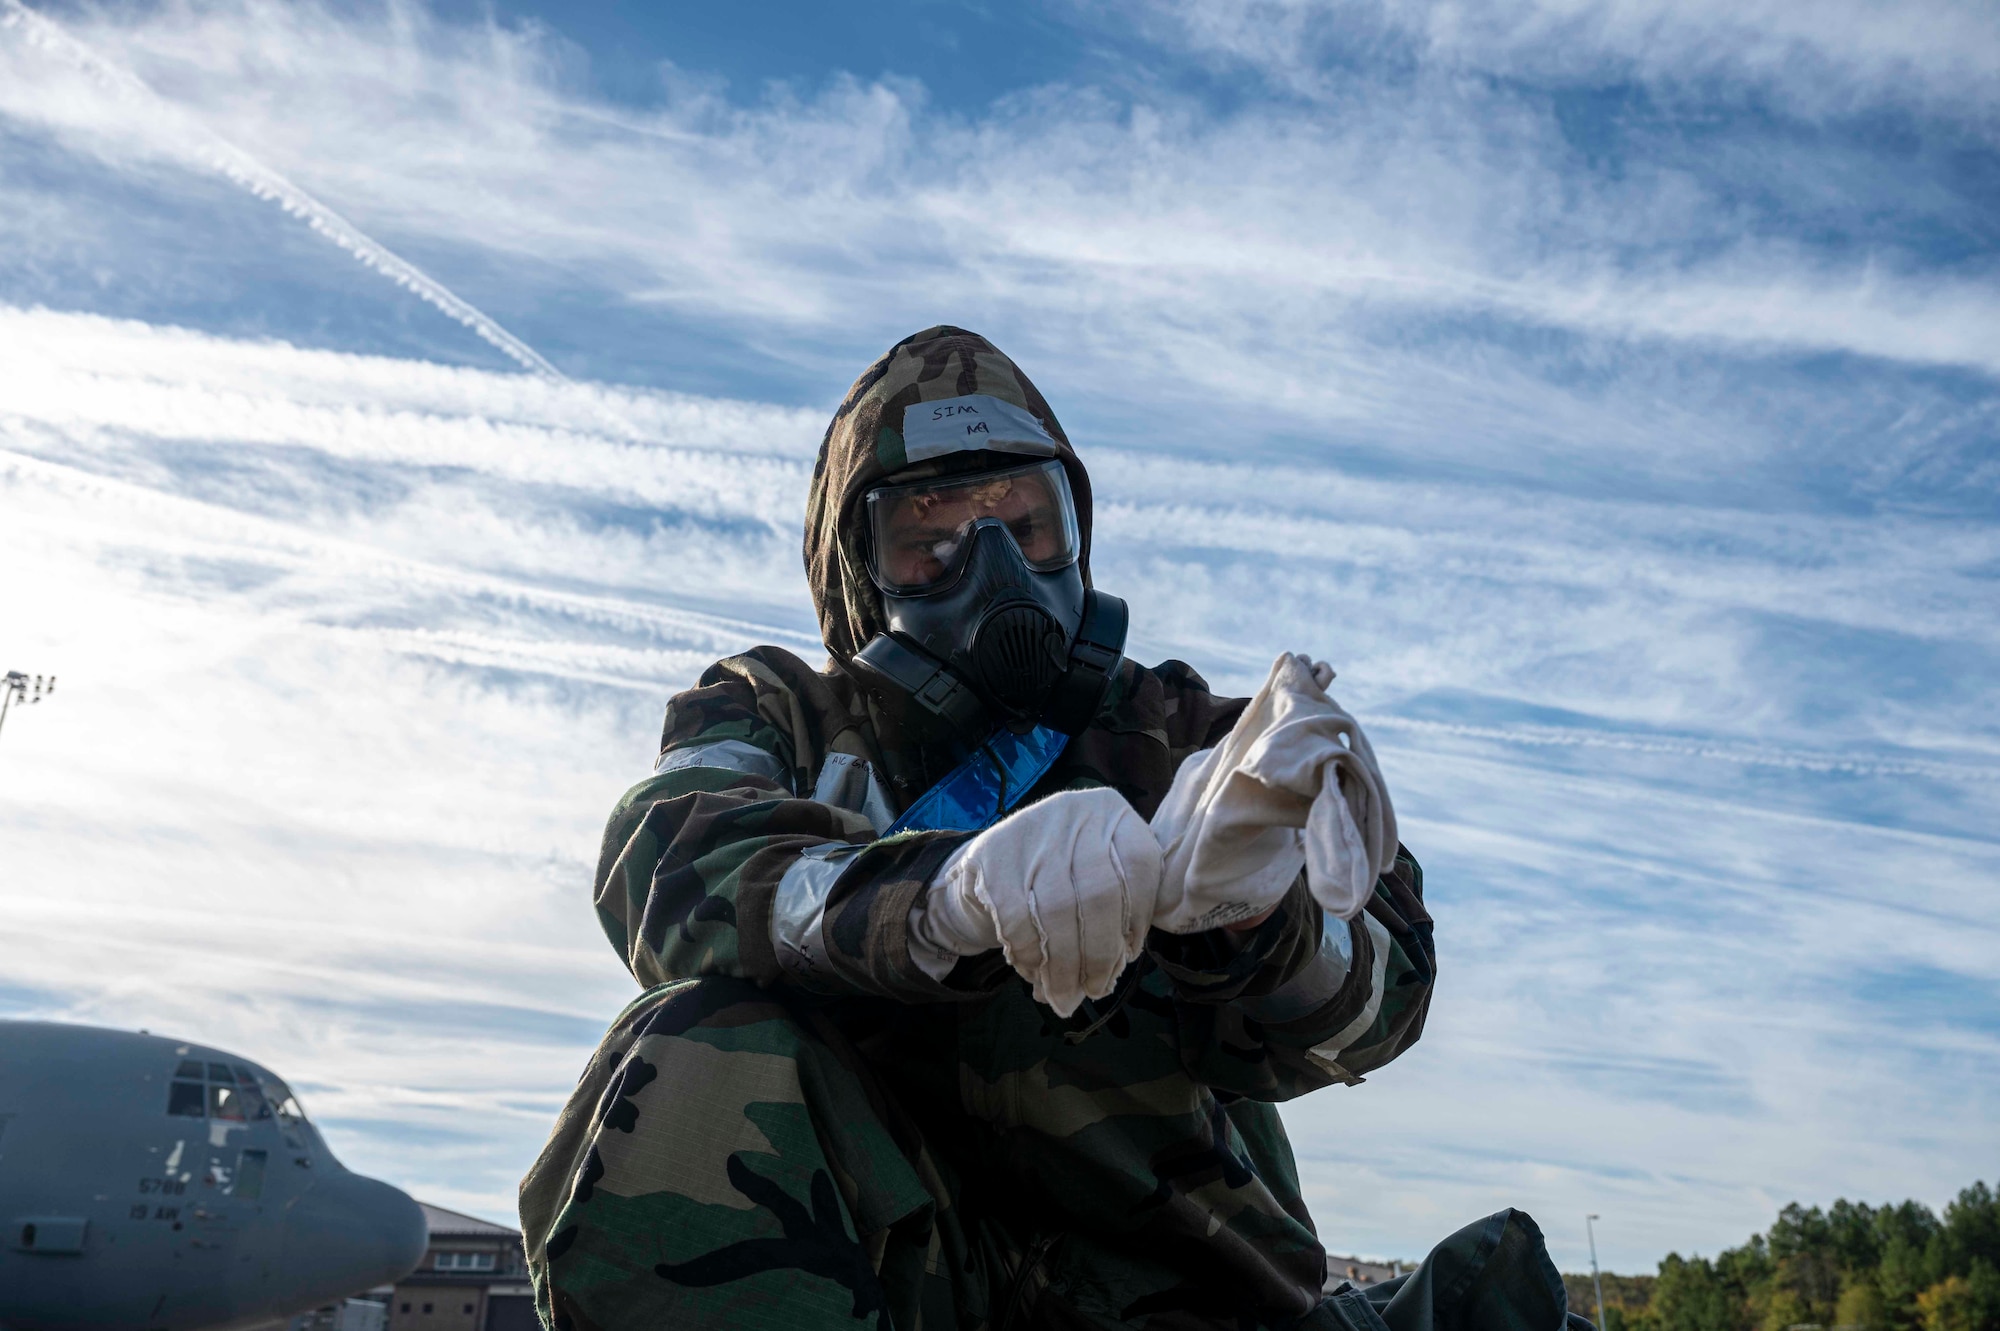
x: 1693, y: 1296
x: 1853, y: 1266
x: 1806, y: 1262
x: 1860, y: 1307
x: 1911, y: 1223
x: 1908, y: 1269
x: 1777, y: 1308
x: 1972, y: 1229
x: 1857, y: 1242
x: 1948, y: 1306
x: 1628, y: 1319
x: 1982, y: 1283
x: 1799, y: 1229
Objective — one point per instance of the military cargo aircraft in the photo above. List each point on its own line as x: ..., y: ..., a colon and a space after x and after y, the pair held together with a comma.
x: 149, y: 1184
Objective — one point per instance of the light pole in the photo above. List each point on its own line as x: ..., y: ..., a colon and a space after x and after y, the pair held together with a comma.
x: 15, y: 688
x: 1597, y: 1281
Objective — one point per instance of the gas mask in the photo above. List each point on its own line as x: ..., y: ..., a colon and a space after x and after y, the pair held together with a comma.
x: 989, y: 621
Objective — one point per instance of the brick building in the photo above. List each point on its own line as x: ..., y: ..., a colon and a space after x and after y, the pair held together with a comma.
x: 1359, y: 1271
x: 474, y: 1277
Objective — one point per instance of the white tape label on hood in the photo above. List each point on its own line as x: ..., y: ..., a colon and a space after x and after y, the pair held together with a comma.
x: 978, y: 420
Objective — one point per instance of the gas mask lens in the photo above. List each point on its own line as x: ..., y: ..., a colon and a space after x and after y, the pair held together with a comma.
x: 922, y: 532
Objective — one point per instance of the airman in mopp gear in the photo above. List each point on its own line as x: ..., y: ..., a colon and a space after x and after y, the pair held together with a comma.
x: 976, y: 961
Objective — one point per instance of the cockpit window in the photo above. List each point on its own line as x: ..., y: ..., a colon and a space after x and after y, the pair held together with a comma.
x: 202, y: 1089
x: 280, y: 1095
x: 184, y: 1099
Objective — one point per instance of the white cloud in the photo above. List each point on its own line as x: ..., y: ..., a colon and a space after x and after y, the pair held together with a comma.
x: 1317, y: 267
x: 1653, y: 539
x: 1827, y: 58
x: 353, y: 662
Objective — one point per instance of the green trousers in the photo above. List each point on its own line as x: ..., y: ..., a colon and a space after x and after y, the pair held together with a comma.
x: 731, y: 1159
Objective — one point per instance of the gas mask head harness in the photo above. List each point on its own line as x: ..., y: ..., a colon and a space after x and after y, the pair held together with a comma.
x: 989, y: 621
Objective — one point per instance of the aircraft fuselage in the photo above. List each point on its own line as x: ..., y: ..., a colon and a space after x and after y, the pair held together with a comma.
x: 149, y: 1184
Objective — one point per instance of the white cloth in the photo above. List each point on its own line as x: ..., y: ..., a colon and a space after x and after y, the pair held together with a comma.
x: 1064, y: 887
x: 1293, y: 785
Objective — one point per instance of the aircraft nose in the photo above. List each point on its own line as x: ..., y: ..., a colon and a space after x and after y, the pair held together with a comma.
x: 349, y: 1233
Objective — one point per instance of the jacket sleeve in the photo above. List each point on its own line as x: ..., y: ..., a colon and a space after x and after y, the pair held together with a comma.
x: 1304, y: 1001
x: 701, y: 858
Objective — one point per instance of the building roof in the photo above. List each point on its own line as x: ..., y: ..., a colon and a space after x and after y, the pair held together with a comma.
x: 458, y: 1225
x: 1360, y: 1271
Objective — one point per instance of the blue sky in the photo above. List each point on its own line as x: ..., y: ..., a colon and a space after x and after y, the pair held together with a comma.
x: 1607, y: 389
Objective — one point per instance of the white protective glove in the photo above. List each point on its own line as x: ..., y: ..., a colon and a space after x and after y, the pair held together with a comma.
x: 1064, y: 886
x: 1294, y: 784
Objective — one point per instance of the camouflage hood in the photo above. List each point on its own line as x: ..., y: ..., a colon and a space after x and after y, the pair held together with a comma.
x: 932, y: 398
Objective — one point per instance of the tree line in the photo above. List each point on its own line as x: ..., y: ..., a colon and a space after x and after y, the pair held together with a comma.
x: 1852, y: 1267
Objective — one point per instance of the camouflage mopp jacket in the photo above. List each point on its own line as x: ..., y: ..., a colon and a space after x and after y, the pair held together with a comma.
x: 1140, y: 1132
x: 798, y: 1126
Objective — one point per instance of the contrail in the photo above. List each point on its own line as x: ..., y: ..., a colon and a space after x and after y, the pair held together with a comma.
x: 1742, y: 754
x: 236, y: 165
